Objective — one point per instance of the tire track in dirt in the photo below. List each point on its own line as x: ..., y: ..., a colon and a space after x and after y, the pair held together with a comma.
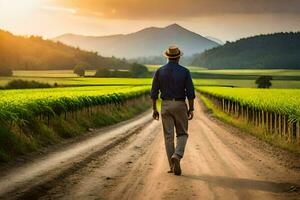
x: 34, y: 179
x: 218, y: 164
x: 211, y: 170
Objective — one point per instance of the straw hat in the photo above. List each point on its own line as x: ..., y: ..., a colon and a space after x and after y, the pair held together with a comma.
x: 173, y: 52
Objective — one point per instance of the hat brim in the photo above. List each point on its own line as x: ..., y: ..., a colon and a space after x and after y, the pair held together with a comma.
x: 173, y: 56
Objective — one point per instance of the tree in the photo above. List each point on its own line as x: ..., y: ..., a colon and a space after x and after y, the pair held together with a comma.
x: 272, y: 51
x: 22, y: 84
x: 138, y: 70
x: 103, y: 73
x: 264, y: 81
x: 5, y: 71
x: 79, y: 69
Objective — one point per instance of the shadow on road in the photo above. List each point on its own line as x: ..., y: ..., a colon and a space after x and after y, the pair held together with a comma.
x: 243, y: 183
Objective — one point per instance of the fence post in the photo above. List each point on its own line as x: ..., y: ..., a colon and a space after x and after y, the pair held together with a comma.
x: 262, y: 119
x: 223, y: 104
x: 275, y: 123
x: 290, y: 132
x: 247, y: 113
x: 284, y: 126
x: 271, y: 122
x: 267, y: 121
x: 298, y: 132
x: 256, y: 118
x: 280, y: 125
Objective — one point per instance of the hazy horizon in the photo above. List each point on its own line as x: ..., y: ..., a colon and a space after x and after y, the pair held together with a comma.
x: 224, y: 20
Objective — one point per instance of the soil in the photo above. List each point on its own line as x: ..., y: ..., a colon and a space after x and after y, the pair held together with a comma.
x: 129, y: 162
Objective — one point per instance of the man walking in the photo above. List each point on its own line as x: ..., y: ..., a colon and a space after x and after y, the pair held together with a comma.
x: 175, y: 85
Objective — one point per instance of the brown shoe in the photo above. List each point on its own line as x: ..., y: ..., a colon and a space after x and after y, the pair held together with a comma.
x: 170, y: 171
x: 176, y: 164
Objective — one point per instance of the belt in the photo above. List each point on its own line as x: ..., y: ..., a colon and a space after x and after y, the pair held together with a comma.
x: 173, y: 99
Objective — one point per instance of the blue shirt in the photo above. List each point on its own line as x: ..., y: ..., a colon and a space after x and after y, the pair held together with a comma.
x: 173, y: 81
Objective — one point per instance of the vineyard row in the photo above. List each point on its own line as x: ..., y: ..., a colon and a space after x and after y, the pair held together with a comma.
x: 271, y: 122
x: 44, y: 109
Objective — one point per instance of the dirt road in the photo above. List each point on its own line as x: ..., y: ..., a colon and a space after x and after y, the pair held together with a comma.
x: 130, y: 163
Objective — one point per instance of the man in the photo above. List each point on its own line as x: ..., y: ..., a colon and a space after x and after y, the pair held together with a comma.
x: 175, y: 85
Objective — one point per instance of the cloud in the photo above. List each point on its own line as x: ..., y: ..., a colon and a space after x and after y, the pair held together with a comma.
x: 180, y: 9
x: 59, y: 9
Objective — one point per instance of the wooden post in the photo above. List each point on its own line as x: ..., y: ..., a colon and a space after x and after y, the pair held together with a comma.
x: 247, y: 114
x: 254, y: 117
x: 252, y: 113
x: 234, y: 108
x: 275, y: 123
x: 257, y: 118
x: 271, y: 122
x: 280, y: 125
x: 263, y: 119
x: 267, y: 121
x: 298, y: 132
x: 242, y: 112
x: 290, y: 136
x: 284, y: 126
x: 223, y: 104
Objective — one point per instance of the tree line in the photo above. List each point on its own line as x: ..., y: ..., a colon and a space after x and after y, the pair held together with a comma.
x: 271, y: 51
x: 135, y: 71
x: 36, y: 53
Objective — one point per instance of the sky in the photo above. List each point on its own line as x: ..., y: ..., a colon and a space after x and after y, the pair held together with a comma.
x: 227, y: 20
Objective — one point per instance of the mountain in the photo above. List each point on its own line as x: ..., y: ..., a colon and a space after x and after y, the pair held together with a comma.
x: 151, y: 41
x: 35, y: 53
x: 220, y: 42
x: 271, y: 51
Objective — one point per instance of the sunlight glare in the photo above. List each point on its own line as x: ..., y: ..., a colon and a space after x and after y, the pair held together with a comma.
x: 14, y: 8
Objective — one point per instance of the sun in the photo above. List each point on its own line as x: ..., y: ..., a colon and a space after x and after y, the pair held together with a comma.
x: 19, y: 7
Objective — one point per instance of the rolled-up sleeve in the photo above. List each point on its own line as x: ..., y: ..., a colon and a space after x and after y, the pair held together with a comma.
x: 155, y: 86
x: 190, y: 91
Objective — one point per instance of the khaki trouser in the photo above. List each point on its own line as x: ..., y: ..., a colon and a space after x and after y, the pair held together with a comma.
x: 174, y: 115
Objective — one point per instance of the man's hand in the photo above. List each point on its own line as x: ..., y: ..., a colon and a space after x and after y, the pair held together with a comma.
x: 155, y: 115
x: 190, y: 114
x: 191, y: 109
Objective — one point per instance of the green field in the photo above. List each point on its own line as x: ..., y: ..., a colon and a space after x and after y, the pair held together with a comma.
x: 271, y: 72
x: 67, y: 78
x: 245, y: 83
x: 76, y: 81
x: 191, y: 68
x: 49, y: 73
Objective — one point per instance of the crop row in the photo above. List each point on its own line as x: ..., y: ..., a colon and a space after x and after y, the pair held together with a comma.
x: 17, y: 106
x: 281, y: 101
x: 276, y: 110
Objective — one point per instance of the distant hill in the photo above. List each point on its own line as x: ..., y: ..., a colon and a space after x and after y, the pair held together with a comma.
x: 148, y: 42
x: 160, y: 60
x: 215, y: 40
x: 272, y: 51
x: 35, y: 53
